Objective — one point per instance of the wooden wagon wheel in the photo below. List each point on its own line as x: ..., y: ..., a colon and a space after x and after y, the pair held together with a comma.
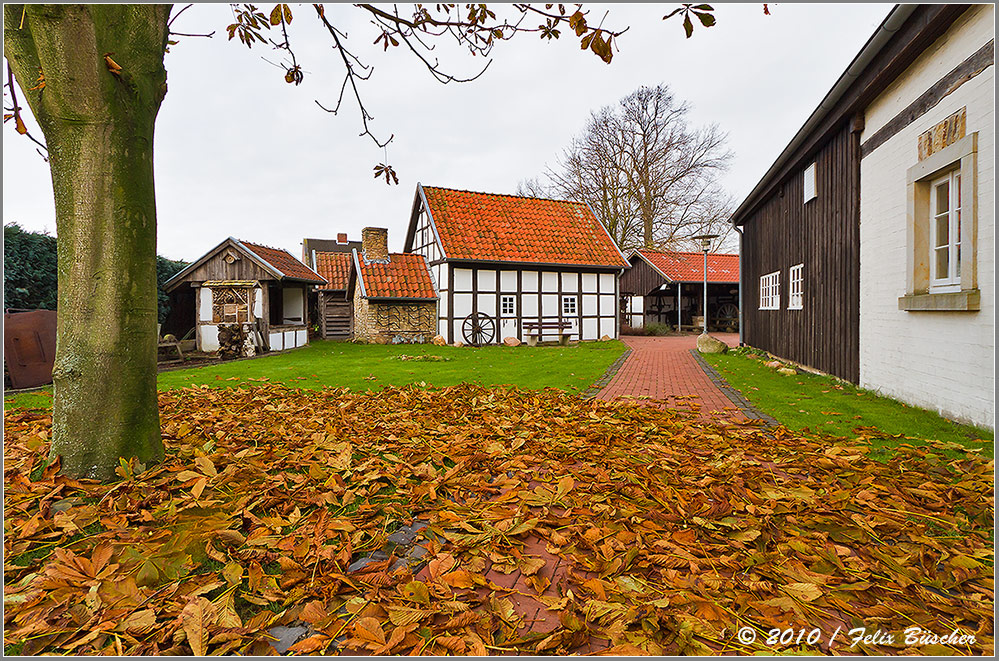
x: 727, y: 315
x: 478, y: 329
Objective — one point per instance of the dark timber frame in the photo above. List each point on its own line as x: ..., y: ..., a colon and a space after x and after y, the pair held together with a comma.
x: 782, y: 230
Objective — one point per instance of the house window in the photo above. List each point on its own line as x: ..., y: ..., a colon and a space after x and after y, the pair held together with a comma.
x: 945, y: 232
x: 941, y: 251
x: 796, y: 280
x: 770, y: 291
x: 508, y: 305
x: 810, y: 193
x: 568, y: 306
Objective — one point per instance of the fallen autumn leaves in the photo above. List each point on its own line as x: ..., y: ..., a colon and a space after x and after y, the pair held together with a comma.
x: 556, y: 525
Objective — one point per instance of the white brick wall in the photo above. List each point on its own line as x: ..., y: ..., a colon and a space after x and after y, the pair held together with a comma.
x: 943, y: 361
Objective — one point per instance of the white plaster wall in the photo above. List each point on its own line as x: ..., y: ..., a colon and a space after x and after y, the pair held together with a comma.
x: 591, y: 329
x: 462, y: 305
x: 608, y: 282
x: 570, y: 283
x: 549, y: 281
x: 508, y: 281
x: 590, y: 283
x: 258, y: 303
x: 529, y: 306
x: 463, y: 279
x: 487, y: 305
x: 608, y: 327
x: 301, y: 338
x: 487, y: 280
x: 204, y: 304
x: 589, y: 304
x: 942, y: 361
x: 209, y: 337
x: 529, y: 280
x: 968, y: 33
x: 294, y: 305
x: 276, y: 341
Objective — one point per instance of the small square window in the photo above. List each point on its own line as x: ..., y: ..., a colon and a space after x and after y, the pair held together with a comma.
x: 770, y: 291
x: 568, y: 306
x: 810, y: 189
x: 796, y: 281
x: 508, y: 305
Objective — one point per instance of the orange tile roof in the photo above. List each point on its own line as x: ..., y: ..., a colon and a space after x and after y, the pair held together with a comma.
x: 405, y: 276
x: 689, y: 266
x: 284, y: 262
x: 509, y: 228
x: 335, y: 267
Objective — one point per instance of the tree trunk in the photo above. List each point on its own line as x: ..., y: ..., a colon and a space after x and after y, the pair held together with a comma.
x: 98, y: 122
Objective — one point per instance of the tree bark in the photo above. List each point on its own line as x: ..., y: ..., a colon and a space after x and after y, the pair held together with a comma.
x: 98, y: 123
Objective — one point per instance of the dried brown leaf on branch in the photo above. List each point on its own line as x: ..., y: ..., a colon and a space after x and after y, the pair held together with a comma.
x: 643, y: 530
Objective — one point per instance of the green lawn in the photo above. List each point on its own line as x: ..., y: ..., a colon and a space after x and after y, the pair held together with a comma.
x: 825, y: 405
x: 373, y: 367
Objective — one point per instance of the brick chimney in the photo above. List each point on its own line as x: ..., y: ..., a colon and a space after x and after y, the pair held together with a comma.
x: 374, y: 242
x: 341, y: 237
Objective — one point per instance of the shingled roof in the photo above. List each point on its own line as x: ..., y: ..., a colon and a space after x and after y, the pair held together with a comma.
x: 405, y: 275
x: 689, y: 266
x: 510, y: 228
x: 282, y: 261
x: 335, y: 267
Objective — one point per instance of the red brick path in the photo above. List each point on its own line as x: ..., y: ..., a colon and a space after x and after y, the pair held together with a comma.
x: 661, y: 371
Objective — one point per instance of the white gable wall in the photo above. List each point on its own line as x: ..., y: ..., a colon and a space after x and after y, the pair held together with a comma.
x: 937, y: 360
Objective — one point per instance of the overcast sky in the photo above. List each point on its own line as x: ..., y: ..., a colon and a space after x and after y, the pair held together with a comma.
x: 241, y: 153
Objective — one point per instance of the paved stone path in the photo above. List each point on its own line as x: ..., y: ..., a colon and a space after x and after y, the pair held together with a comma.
x: 661, y: 371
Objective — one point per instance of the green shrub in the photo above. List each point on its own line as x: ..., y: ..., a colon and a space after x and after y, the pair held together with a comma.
x: 655, y: 328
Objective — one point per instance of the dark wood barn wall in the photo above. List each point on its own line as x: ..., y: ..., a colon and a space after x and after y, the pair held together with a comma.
x: 641, y: 278
x: 824, y: 235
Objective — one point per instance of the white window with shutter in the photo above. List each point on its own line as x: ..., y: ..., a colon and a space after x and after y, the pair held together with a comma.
x: 810, y: 191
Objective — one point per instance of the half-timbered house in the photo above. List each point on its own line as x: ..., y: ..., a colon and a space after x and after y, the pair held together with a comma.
x: 667, y: 287
x: 511, y: 266
x: 264, y: 290
x: 868, y: 247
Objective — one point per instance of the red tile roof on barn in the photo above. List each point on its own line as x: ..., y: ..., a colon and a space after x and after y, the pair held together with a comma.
x: 283, y: 262
x: 335, y: 267
x: 509, y: 228
x: 404, y: 276
x: 689, y: 266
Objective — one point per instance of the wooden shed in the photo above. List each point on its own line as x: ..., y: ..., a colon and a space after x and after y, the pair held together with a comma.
x: 331, y: 259
x: 667, y: 287
x: 261, y: 289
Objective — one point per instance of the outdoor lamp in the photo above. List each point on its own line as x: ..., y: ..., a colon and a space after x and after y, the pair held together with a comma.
x: 705, y: 240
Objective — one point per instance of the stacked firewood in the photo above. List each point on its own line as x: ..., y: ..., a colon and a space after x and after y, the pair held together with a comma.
x: 232, y: 341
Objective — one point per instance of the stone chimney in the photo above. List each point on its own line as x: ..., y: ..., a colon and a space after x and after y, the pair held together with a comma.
x: 341, y: 237
x: 374, y: 242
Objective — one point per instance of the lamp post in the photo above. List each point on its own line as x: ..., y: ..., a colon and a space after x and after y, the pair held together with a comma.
x: 705, y: 240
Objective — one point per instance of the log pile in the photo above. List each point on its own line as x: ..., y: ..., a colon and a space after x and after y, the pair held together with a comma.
x: 232, y: 341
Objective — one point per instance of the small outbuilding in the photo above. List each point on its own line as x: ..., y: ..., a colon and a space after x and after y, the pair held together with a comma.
x: 393, y: 295
x: 258, y: 292
x: 667, y: 287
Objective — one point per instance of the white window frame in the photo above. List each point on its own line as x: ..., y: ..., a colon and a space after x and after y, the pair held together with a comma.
x: 951, y: 217
x: 810, y: 188
x: 795, y: 287
x: 508, y: 305
x: 566, y: 300
x: 770, y: 291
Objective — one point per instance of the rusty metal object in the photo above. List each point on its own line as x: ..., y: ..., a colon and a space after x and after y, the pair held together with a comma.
x: 29, y: 342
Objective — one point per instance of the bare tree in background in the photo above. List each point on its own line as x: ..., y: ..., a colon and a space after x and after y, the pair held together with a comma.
x: 650, y: 177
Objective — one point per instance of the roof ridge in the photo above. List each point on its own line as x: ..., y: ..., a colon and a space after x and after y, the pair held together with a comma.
x: 683, y: 252
x: 522, y: 197
x: 264, y: 245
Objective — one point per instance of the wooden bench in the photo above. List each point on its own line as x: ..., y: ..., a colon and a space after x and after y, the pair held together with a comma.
x: 535, y: 329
